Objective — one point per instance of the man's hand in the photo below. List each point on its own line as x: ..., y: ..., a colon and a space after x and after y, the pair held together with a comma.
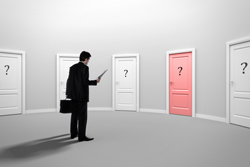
x: 98, y: 80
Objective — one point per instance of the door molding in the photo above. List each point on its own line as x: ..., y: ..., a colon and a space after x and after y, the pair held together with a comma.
x: 58, y: 56
x: 137, y: 77
x: 228, y: 45
x: 22, y: 54
x: 193, y: 77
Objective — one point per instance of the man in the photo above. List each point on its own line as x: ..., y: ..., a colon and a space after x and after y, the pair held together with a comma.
x: 78, y: 91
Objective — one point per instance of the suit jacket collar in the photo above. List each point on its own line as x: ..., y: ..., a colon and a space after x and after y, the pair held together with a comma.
x: 81, y: 63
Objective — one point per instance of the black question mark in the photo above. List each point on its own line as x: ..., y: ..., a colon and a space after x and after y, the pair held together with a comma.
x: 244, y: 67
x: 8, y: 67
x: 180, y: 70
x: 126, y: 73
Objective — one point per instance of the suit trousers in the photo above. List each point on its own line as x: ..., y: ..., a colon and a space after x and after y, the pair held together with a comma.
x: 78, y: 119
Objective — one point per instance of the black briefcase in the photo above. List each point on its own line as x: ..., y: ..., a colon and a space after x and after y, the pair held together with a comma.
x: 65, y: 106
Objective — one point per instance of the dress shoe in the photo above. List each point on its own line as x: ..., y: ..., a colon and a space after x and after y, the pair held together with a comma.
x: 85, y: 139
x: 73, y: 136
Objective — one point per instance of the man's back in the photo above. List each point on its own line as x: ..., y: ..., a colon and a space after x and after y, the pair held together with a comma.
x: 78, y: 83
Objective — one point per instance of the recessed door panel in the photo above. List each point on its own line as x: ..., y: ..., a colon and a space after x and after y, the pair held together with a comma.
x: 180, y: 72
x: 9, y: 73
x: 9, y: 101
x: 125, y: 98
x: 241, y: 70
x: 242, y: 106
x: 126, y: 73
x: 180, y: 101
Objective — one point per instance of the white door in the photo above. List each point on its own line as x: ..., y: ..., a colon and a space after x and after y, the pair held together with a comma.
x: 65, y: 62
x: 125, y: 78
x: 240, y: 84
x: 10, y: 84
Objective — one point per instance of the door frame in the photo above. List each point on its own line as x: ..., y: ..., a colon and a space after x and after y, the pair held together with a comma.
x: 137, y: 77
x: 228, y: 72
x: 58, y: 56
x: 22, y: 54
x: 193, y: 77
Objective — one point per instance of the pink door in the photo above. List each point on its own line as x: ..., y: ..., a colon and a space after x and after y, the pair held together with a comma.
x: 180, y: 86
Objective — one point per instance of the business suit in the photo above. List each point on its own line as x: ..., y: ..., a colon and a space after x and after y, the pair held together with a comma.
x: 78, y: 90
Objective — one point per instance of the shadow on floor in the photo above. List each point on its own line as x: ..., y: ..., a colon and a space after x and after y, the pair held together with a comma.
x: 37, y: 148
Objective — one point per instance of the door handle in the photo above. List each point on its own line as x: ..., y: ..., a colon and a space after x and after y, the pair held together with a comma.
x: 171, y: 82
x: 232, y: 83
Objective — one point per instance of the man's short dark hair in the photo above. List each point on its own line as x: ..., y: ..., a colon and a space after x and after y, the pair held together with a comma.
x: 84, y: 55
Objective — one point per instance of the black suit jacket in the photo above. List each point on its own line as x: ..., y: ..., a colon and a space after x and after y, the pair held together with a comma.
x: 78, y: 83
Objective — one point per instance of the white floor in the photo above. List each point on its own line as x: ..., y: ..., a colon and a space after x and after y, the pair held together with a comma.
x: 122, y: 139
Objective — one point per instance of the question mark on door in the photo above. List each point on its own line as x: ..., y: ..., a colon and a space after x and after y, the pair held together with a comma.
x: 8, y: 67
x: 180, y: 70
x: 126, y: 73
x: 244, y: 67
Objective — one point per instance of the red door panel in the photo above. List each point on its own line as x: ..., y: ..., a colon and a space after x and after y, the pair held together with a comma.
x: 180, y: 86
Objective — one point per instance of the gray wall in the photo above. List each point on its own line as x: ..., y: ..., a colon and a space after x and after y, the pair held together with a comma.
x: 44, y: 28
